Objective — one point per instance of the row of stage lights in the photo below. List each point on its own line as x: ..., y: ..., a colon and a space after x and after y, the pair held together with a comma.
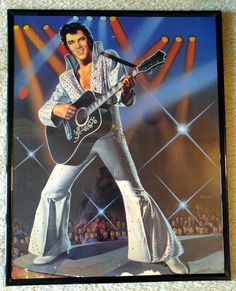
x: 75, y: 18
x: 90, y: 18
x: 164, y: 39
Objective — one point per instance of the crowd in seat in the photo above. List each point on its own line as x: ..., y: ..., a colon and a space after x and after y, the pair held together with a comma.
x: 98, y: 230
x: 112, y: 228
x: 20, y: 240
x: 200, y: 223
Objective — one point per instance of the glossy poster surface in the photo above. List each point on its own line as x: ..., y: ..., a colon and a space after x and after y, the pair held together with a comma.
x: 148, y: 190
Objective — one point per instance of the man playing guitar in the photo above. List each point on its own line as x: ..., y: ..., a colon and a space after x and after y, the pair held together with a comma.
x: 150, y: 237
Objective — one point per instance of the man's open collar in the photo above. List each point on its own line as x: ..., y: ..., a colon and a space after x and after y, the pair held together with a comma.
x: 71, y: 62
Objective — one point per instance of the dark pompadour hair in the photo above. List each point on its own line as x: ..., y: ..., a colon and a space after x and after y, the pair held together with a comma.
x: 72, y: 29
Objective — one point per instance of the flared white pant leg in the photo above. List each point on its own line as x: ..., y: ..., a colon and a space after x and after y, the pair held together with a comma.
x: 150, y: 237
x: 49, y: 234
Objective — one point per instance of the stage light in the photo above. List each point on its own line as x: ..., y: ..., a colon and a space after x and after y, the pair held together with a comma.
x: 100, y: 211
x: 33, y: 90
x: 46, y: 27
x: 102, y: 30
x: 164, y: 39
x: 90, y: 18
x: 26, y: 27
x: 30, y: 154
x: 183, y: 106
x: 183, y: 204
x: 32, y: 81
x: 23, y: 93
x: 75, y: 18
x: 159, y: 45
x: 113, y: 18
x: 178, y: 39
x: 45, y: 52
x: 190, y: 54
x: 119, y: 33
x: 171, y: 56
x: 54, y: 37
x: 182, y: 129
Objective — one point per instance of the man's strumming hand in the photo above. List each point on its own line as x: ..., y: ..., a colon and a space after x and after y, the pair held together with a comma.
x: 65, y: 111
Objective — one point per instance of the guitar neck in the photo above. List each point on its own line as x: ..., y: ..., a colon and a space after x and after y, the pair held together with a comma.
x: 104, y: 98
x: 154, y: 60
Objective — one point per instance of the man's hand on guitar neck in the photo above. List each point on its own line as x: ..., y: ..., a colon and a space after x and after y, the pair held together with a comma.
x: 65, y: 111
x: 126, y: 92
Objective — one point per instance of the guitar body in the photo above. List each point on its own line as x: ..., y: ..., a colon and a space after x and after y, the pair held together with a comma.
x: 71, y: 142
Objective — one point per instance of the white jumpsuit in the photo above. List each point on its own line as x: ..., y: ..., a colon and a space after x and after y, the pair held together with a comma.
x: 150, y: 237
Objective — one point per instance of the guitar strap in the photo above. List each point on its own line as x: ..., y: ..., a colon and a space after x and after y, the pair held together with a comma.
x: 110, y: 56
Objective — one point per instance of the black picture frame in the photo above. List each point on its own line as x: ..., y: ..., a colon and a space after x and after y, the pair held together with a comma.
x: 21, y: 114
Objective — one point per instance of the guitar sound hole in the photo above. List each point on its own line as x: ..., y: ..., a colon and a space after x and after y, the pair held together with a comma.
x: 81, y: 117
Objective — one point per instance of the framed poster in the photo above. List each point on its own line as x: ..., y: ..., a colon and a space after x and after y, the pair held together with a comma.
x: 116, y: 147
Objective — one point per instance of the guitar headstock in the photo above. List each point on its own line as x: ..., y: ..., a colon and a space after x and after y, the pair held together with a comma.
x: 157, y: 59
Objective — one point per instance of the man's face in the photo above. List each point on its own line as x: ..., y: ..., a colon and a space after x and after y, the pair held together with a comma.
x: 78, y: 46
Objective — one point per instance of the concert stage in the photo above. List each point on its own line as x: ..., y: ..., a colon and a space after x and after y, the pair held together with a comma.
x: 203, y: 254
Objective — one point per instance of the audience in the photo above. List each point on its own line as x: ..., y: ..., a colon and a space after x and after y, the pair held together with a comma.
x: 112, y: 228
x: 201, y: 222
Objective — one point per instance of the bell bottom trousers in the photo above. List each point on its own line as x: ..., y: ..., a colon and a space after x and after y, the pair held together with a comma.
x: 150, y: 237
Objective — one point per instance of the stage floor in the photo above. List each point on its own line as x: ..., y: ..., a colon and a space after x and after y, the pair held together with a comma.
x: 203, y: 254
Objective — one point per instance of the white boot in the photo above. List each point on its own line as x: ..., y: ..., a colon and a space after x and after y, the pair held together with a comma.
x: 42, y: 260
x: 176, y: 266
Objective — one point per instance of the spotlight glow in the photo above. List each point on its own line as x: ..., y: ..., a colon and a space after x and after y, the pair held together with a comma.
x: 183, y: 204
x: 90, y: 18
x: 113, y: 18
x: 100, y: 211
x: 30, y: 154
x: 26, y: 27
x: 182, y: 129
x: 103, y: 18
x: 75, y: 18
x: 23, y: 93
x: 46, y: 27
